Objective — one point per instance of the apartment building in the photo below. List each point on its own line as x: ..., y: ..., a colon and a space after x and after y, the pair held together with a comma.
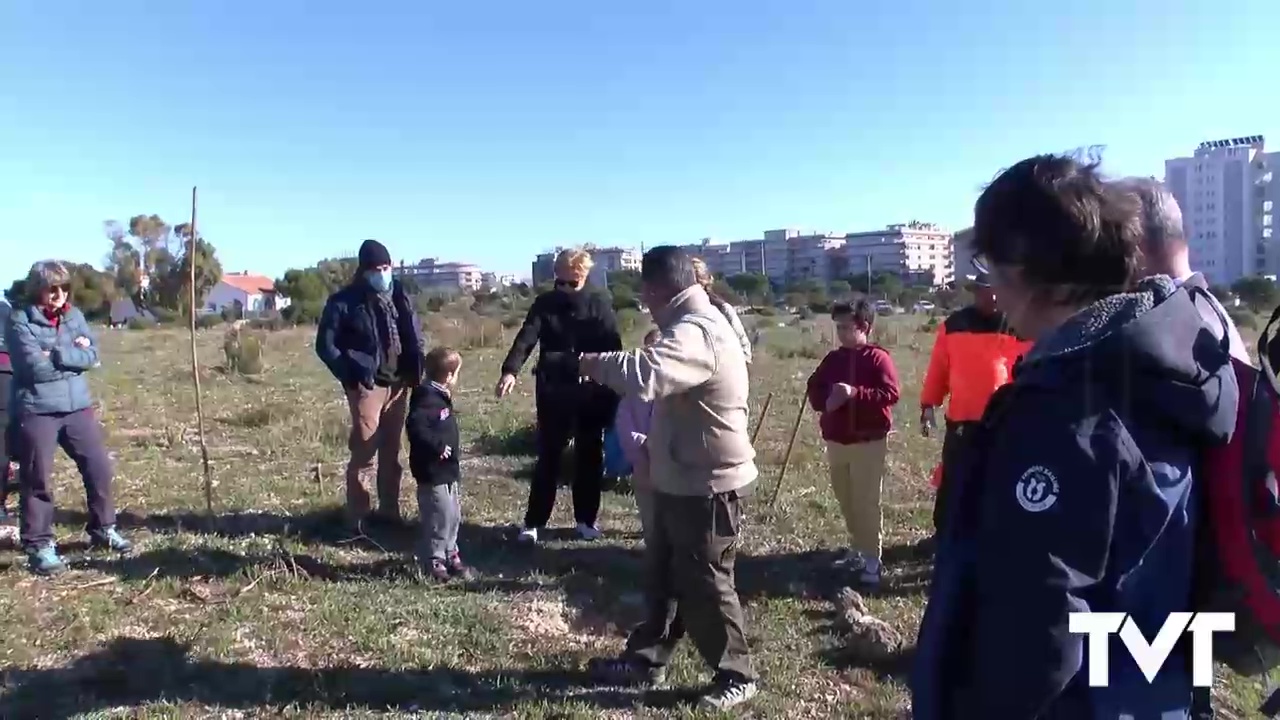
x: 962, y: 254
x: 784, y: 256
x: 1228, y: 194
x: 495, y: 281
x: 431, y: 274
x: 920, y: 252
x: 606, y: 260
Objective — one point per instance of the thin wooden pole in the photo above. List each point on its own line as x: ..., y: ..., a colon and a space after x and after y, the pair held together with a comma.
x: 195, y: 366
x: 764, y: 411
x: 786, y: 459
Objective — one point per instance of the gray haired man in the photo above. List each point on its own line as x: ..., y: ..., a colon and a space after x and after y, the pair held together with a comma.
x: 1165, y: 250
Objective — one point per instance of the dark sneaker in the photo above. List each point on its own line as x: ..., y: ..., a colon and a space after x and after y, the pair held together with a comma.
x: 626, y: 672
x: 44, y: 560
x: 725, y: 695
x: 459, y: 569
x: 109, y: 538
x: 439, y: 571
x: 869, y: 576
x: 590, y: 533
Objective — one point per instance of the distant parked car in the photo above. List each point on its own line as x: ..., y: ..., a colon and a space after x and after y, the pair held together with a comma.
x: 923, y: 306
x: 884, y: 307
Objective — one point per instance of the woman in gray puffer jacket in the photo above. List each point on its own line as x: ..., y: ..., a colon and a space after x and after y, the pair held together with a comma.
x: 51, y: 348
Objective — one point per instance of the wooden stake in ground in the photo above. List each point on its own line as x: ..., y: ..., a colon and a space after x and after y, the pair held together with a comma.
x: 764, y: 412
x: 195, y: 366
x: 786, y: 459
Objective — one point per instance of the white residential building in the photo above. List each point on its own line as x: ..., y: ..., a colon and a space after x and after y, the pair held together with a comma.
x: 920, y: 252
x: 252, y: 294
x: 431, y: 274
x: 1228, y: 194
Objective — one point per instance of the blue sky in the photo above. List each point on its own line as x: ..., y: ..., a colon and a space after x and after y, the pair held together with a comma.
x: 487, y: 131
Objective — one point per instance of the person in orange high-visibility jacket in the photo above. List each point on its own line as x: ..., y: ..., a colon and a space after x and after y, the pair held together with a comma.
x: 973, y: 355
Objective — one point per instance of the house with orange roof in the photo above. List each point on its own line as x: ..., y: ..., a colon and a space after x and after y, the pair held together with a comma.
x: 252, y: 294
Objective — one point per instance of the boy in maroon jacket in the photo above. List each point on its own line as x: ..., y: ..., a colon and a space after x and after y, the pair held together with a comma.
x: 854, y: 390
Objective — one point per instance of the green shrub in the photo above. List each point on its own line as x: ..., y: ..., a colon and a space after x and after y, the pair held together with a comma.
x: 243, y: 352
x: 140, y: 323
x: 1243, y: 319
x: 165, y: 316
x: 207, y: 321
x: 307, y: 312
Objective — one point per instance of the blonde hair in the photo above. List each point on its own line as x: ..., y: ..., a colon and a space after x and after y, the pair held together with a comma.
x: 702, y: 273
x: 44, y: 275
x: 576, y: 263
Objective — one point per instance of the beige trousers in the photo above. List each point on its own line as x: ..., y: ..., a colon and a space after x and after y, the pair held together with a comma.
x: 377, y: 426
x: 857, y: 477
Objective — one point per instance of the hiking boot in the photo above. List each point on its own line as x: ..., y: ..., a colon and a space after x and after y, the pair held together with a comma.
x: 626, y: 672
x: 459, y: 569
x: 439, y: 571
x: 44, y: 560
x: 527, y: 536
x: 728, y: 694
x: 590, y: 533
x: 108, y: 538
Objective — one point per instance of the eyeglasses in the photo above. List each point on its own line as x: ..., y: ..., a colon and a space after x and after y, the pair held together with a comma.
x: 979, y: 263
x: 64, y: 289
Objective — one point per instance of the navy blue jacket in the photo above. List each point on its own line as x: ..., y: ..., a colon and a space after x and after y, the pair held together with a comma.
x: 347, y: 341
x: 54, y: 383
x: 1077, y: 495
x: 431, y: 427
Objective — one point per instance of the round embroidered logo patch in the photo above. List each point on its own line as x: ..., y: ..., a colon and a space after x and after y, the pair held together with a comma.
x: 1037, y: 489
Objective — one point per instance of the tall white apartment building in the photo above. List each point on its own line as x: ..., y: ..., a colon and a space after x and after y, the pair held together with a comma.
x: 1228, y: 198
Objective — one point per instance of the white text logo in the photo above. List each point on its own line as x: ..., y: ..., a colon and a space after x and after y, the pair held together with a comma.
x: 1150, y: 656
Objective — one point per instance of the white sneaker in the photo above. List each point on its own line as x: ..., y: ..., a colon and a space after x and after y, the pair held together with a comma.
x: 528, y: 536
x: 728, y: 695
x: 588, y: 532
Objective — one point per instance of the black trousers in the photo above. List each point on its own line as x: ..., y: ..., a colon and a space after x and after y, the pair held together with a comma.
x: 954, y: 444
x: 580, y: 412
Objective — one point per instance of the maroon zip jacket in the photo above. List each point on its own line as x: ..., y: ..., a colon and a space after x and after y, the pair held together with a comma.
x: 868, y: 414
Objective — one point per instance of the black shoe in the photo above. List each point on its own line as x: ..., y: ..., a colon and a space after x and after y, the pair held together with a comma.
x: 626, y: 672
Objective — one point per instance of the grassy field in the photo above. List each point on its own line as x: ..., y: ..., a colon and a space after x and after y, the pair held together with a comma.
x: 268, y: 611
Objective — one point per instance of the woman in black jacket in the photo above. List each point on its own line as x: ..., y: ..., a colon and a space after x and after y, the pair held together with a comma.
x: 568, y: 319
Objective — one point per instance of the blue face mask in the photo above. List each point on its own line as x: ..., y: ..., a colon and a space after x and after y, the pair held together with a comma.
x: 379, y: 280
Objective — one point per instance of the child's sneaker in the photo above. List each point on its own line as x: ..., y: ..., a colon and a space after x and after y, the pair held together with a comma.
x: 44, y: 560
x: 626, y: 672
x: 528, y: 536
x: 439, y: 571
x: 850, y: 560
x: 108, y: 538
x: 589, y: 533
x: 869, y: 575
x: 459, y: 569
x: 725, y: 695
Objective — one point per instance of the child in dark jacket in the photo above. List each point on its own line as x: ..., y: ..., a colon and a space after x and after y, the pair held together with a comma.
x: 433, y: 460
x: 854, y: 390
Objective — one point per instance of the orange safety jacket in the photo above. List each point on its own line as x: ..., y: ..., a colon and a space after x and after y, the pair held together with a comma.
x: 973, y: 356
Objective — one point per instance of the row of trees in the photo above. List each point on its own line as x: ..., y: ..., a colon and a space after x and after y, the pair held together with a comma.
x: 149, y: 262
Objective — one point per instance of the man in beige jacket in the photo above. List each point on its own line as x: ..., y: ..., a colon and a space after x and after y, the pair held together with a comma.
x: 701, y: 465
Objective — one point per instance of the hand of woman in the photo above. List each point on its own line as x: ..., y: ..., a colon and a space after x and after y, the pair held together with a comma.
x: 505, y: 383
x: 82, y: 342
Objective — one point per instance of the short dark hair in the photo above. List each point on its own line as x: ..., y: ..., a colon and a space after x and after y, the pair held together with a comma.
x: 440, y: 362
x: 668, y: 266
x: 862, y: 312
x: 1161, y: 217
x: 1062, y: 225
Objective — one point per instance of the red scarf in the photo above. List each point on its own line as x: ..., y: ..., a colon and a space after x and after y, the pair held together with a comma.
x: 55, y: 316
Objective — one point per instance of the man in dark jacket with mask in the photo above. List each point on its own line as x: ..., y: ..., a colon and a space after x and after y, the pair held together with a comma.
x: 370, y: 340
x: 1077, y: 492
x: 574, y: 319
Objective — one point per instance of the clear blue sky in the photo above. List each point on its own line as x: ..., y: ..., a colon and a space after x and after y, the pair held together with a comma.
x: 487, y: 131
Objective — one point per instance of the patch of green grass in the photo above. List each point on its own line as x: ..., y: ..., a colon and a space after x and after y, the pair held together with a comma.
x: 270, y: 610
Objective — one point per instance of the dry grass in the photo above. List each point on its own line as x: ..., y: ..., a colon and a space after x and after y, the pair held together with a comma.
x: 268, y: 611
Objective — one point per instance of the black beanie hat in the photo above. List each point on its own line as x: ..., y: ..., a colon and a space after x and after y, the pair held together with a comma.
x: 372, y: 254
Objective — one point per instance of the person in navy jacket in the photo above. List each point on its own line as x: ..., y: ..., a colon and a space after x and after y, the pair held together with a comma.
x: 1078, y: 492
x: 370, y: 340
